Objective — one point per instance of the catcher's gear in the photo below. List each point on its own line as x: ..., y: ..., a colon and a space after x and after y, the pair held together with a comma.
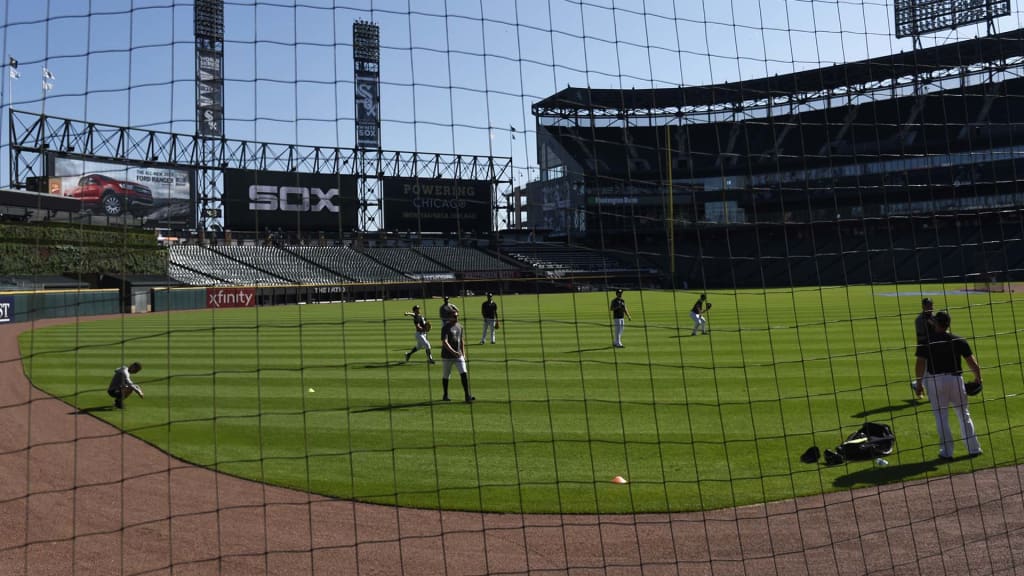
x: 973, y: 388
x: 426, y: 326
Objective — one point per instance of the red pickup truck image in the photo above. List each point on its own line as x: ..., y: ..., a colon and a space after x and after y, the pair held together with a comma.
x: 114, y: 197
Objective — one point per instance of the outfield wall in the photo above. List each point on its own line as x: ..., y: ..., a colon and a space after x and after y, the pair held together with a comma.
x: 27, y: 306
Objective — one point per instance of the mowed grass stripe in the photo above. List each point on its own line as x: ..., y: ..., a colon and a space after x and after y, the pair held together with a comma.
x: 693, y: 422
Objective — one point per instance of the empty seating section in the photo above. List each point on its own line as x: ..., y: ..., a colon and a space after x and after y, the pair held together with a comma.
x: 464, y: 259
x: 217, y: 265
x: 190, y: 277
x: 562, y: 258
x: 281, y: 263
x: 408, y: 262
x: 347, y: 263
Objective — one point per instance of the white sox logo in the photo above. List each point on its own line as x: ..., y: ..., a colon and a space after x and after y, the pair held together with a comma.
x: 292, y: 199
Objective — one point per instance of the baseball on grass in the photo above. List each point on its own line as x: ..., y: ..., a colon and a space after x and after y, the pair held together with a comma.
x: 311, y: 390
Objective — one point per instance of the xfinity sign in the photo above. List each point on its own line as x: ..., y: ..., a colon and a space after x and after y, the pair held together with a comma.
x: 291, y: 201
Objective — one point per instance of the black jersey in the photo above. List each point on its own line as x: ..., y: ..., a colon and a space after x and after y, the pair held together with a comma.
x: 698, y: 307
x: 418, y: 321
x: 618, y: 308
x: 943, y: 353
x: 489, y: 309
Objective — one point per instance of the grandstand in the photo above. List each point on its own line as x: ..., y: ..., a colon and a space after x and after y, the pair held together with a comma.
x: 915, y: 134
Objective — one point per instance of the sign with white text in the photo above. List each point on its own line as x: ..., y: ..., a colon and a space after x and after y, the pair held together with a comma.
x: 291, y: 201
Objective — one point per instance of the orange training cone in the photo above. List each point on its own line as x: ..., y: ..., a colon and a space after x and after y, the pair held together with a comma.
x: 619, y: 480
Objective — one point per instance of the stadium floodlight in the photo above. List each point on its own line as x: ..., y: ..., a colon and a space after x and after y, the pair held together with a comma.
x: 916, y: 17
x: 209, y: 19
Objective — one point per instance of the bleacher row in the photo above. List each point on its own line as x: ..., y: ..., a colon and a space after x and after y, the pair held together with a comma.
x: 248, y: 265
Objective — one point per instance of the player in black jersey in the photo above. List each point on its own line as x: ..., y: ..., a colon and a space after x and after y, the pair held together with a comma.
x: 697, y: 314
x: 489, y: 310
x: 619, y: 314
x: 940, y: 372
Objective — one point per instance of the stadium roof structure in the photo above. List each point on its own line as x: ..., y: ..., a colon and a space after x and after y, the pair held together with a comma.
x: 957, y: 56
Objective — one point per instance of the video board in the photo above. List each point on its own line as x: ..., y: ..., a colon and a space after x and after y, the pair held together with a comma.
x: 437, y: 205
x: 291, y: 201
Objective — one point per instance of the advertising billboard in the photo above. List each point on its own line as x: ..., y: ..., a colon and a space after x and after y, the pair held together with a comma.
x: 437, y: 205
x: 6, y: 309
x: 151, y: 195
x: 230, y: 297
x: 291, y: 201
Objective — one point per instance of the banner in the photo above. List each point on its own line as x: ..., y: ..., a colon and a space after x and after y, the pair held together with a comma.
x: 367, y: 111
x: 291, y: 201
x: 210, y: 93
x: 154, y: 195
x: 437, y: 205
x: 6, y: 309
x: 230, y: 297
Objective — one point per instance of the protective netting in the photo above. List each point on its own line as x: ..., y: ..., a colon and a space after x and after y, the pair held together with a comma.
x: 693, y: 247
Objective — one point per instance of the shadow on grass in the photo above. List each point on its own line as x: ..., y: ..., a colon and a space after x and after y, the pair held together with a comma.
x: 582, y: 350
x: 397, y: 407
x: 888, y: 409
x: 91, y: 409
x: 883, y: 474
x: 386, y: 364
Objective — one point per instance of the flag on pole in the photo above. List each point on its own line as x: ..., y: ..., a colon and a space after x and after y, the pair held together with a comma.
x: 47, y: 76
x: 12, y: 67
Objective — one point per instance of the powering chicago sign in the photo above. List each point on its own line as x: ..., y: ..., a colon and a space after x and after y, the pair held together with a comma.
x: 437, y: 205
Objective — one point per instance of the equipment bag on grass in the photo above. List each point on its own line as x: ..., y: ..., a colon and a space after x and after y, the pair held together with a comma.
x: 871, y: 441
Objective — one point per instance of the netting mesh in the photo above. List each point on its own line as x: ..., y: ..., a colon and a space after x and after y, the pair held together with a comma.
x: 693, y: 248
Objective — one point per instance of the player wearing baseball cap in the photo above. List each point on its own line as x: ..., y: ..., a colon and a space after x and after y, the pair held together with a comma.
x: 422, y: 328
x: 489, y: 310
x: 940, y: 372
x: 619, y: 314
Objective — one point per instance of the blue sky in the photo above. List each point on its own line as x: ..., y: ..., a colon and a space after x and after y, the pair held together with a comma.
x: 455, y: 74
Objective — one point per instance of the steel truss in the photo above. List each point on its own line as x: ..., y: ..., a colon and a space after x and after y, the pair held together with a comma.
x: 32, y: 136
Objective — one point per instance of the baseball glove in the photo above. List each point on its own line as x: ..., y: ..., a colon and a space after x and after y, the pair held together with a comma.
x: 497, y: 324
x: 973, y: 387
x: 707, y: 306
x: 426, y: 326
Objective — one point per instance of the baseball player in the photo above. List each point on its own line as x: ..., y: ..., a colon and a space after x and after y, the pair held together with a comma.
x: 923, y: 328
x: 121, y: 385
x: 453, y: 354
x: 697, y: 314
x: 445, y: 313
x: 940, y: 372
x: 421, y: 334
x: 489, y: 310
x: 619, y: 314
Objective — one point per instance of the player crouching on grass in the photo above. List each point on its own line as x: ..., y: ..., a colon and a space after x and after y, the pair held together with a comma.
x: 121, y: 385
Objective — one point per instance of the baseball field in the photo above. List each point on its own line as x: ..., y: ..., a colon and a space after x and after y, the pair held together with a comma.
x: 319, y: 397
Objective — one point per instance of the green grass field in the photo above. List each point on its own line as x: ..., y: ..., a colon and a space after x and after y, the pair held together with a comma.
x: 317, y: 397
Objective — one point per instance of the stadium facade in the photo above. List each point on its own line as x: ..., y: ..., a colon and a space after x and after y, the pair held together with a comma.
x: 899, y: 168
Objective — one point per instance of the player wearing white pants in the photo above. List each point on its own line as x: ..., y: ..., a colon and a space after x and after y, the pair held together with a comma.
x: 421, y: 335
x: 939, y: 371
x: 619, y: 314
x: 453, y: 355
x: 489, y: 311
x: 697, y: 315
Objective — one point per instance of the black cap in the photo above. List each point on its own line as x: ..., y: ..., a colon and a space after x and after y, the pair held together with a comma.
x: 445, y: 298
x: 926, y: 302
x: 703, y: 296
x: 489, y: 294
x: 415, y: 307
x: 942, y: 318
x: 619, y: 291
